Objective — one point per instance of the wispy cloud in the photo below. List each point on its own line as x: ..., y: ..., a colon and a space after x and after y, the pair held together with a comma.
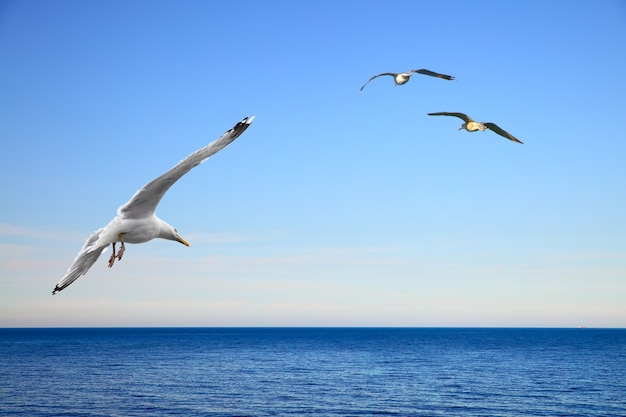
x: 223, y: 238
x: 14, y: 231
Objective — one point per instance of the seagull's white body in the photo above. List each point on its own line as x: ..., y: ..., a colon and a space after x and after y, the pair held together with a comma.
x: 400, y: 78
x: 472, y: 126
x: 136, y: 221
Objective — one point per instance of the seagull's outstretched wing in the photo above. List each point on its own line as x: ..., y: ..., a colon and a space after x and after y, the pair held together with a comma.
x: 501, y: 132
x: 465, y: 117
x: 433, y: 74
x: 84, y: 260
x: 378, y: 75
x: 145, y: 201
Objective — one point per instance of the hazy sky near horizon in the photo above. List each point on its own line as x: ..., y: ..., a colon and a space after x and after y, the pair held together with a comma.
x: 336, y: 207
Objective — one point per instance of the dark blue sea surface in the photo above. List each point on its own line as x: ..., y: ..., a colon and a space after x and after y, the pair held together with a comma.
x: 312, y: 371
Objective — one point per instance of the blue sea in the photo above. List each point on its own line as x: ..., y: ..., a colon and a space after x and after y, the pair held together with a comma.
x: 312, y: 372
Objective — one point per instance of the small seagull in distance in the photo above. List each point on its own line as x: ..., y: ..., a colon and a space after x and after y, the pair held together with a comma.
x: 136, y: 221
x: 472, y: 126
x: 403, y: 77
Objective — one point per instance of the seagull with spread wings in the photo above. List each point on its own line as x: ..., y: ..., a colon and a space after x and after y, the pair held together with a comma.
x: 400, y: 78
x: 136, y: 221
x: 472, y: 126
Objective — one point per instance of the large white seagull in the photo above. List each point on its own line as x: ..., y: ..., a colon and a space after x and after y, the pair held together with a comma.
x: 136, y: 221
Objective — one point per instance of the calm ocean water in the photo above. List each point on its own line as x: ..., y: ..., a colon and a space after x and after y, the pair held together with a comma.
x: 312, y: 371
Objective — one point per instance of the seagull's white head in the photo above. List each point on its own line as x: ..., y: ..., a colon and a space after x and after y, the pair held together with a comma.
x: 170, y: 233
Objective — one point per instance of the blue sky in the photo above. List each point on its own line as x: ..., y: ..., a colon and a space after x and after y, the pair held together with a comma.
x: 335, y: 208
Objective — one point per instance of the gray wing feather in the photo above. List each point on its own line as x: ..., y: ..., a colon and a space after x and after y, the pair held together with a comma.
x: 378, y: 75
x: 463, y: 116
x: 433, y: 74
x: 145, y: 201
x: 501, y: 132
x: 84, y: 260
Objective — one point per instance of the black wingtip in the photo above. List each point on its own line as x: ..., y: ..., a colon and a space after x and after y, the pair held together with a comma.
x: 241, y: 126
